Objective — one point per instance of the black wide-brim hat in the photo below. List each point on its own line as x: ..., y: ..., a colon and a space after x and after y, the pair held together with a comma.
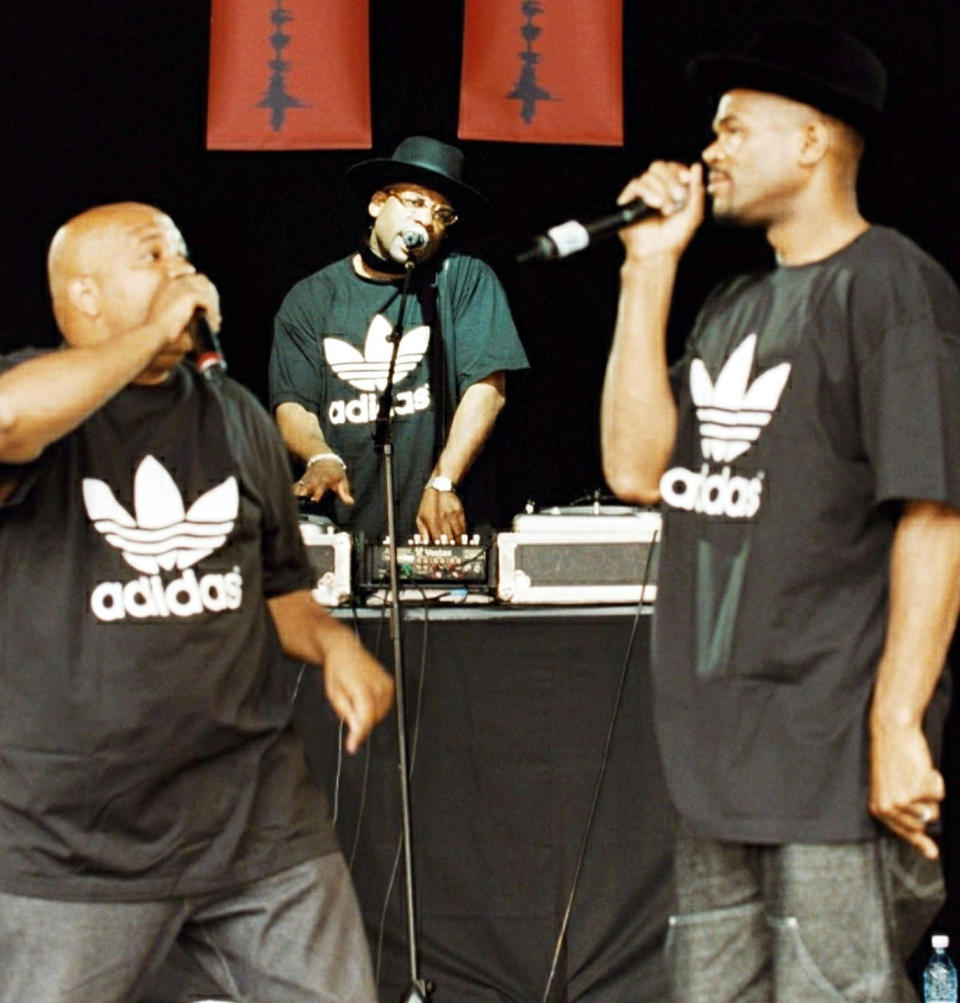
x: 816, y: 64
x: 421, y: 160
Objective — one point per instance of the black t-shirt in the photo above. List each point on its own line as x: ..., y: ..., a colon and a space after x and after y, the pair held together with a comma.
x: 812, y: 400
x: 145, y: 705
x: 331, y: 355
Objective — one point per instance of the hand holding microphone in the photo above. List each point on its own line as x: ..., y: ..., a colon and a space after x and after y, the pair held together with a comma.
x: 675, y: 192
x: 664, y: 191
x: 179, y: 300
x: 191, y: 288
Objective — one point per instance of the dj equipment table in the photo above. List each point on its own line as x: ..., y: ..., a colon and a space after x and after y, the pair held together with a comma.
x: 508, y: 712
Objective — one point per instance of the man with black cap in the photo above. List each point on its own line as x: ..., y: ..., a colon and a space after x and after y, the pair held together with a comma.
x: 806, y: 451
x: 332, y: 351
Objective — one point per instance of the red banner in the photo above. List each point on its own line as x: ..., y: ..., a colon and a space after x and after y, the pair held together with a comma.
x: 543, y: 71
x: 289, y: 75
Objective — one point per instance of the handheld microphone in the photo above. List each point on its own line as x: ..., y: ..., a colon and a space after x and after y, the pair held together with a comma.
x: 207, y: 353
x: 413, y: 239
x: 573, y: 236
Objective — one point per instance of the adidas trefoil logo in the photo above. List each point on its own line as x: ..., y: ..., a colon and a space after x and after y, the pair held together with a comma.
x: 369, y: 371
x: 731, y: 413
x: 163, y: 536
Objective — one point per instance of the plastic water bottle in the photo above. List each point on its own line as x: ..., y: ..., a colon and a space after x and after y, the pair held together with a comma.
x: 940, y: 977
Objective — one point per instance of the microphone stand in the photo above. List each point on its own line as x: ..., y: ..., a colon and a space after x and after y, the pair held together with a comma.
x: 417, y: 990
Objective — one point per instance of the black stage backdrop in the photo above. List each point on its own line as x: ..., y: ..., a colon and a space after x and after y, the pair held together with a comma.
x: 105, y: 100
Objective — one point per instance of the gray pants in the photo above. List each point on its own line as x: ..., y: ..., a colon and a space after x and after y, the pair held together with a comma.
x: 798, y: 923
x: 295, y: 937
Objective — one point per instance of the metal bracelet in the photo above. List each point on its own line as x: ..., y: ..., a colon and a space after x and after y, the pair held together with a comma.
x: 325, y: 456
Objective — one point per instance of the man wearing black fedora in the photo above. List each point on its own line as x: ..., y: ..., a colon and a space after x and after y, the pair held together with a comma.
x: 331, y: 352
x: 806, y: 454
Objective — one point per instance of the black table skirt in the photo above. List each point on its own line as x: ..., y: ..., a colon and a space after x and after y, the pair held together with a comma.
x: 508, y: 715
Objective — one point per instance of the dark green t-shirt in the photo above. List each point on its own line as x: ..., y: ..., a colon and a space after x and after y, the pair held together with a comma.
x: 331, y: 355
x: 812, y: 401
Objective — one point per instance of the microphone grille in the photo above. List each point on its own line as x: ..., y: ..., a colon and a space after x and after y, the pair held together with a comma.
x: 413, y: 239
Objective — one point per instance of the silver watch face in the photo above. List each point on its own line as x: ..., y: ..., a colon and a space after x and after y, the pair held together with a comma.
x: 440, y: 483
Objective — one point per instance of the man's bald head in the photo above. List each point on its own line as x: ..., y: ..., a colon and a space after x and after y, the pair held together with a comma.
x: 120, y: 273
x: 85, y: 248
x: 79, y: 246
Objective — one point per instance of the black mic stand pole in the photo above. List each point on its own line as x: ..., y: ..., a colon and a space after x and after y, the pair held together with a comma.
x: 417, y: 990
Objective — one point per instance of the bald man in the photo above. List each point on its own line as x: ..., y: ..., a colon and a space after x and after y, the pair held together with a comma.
x: 151, y: 788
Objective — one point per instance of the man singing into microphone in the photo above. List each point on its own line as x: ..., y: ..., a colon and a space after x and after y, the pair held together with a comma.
x: 331, y: 354
x: 152, y: 790
x: 806, y: 450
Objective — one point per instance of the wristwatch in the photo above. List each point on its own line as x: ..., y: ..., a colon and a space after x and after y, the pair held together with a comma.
x: 439, y: 483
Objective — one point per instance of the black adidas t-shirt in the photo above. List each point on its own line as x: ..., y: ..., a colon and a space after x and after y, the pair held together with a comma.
x: 145, y: 741
x: 812, y: 400
x: 331, y: 355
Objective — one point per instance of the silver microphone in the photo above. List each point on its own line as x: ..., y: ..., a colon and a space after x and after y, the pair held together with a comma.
x: 573, y: 236
x: 414, y: 239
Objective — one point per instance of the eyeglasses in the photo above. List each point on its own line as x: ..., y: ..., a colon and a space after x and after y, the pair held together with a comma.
x: 443, y: 214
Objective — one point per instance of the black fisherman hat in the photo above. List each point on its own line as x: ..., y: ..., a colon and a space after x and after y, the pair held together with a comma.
x: 815, y: 63
x: 423, y: 161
